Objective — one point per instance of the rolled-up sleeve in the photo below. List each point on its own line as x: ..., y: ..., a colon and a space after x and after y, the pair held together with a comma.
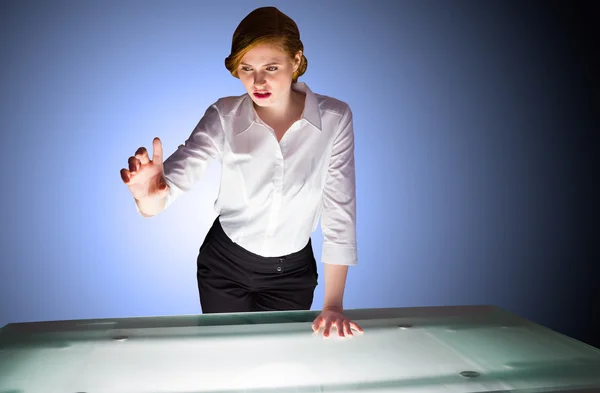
x: 186, y: 166
x: 338, y: 219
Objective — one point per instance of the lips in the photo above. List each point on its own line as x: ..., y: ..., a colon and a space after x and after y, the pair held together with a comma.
x: 262, y: 94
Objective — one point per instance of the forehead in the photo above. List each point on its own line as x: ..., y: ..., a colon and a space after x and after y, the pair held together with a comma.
x: 264, y: 54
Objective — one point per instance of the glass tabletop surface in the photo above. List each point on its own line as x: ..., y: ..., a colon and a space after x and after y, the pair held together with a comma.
x: 426, y: 349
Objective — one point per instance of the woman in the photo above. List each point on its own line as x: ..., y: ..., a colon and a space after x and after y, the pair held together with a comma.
x: 287, y: 158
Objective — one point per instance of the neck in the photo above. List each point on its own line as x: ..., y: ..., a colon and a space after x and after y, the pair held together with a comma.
x: 282, y: 109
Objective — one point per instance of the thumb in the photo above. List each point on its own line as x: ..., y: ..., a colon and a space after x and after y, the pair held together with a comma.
x: 317, y: 324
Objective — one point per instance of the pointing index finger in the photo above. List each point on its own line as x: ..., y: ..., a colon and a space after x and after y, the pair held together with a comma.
x: 157, y: 151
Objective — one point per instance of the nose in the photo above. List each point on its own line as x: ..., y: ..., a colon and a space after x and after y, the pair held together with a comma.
x: 259, y: 79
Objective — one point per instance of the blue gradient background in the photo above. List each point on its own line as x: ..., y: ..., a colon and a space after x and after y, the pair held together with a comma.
x: 470, y: 127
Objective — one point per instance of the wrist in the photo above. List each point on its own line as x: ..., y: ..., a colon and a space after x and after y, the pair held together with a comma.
x: 149, y: 206
x: 333, y: 307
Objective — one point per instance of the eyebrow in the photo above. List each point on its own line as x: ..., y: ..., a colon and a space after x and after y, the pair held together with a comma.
x: 265, y: 65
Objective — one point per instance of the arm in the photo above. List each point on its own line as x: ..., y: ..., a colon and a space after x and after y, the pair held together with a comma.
x: 186, y: 166
x: 338, y: 220
x: 335, y: 282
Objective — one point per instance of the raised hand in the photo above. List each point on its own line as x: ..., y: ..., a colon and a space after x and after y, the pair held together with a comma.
x: 146, y: 178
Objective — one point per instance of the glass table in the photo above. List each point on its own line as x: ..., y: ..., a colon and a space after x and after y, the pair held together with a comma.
x: 425, y: 349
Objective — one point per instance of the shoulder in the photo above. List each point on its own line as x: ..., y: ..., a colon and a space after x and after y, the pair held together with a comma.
x: 230, y: 105
x: 331, y: 106
x: 335, y: 113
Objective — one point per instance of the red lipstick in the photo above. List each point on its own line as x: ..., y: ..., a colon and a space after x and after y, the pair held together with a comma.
x: 262, y: 95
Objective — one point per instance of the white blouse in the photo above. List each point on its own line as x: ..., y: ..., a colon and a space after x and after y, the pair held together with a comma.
x: 272, y: 194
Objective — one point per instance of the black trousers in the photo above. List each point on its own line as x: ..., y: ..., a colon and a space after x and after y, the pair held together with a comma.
x: 232, y: 279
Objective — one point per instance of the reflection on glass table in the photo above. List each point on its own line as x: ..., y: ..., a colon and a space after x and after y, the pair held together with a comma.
x: 428, y: 349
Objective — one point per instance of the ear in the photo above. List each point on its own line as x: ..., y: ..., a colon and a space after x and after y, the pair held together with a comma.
x: 297, y: 60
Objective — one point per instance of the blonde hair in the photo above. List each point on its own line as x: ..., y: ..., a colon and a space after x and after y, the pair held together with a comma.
x: 266, y: 25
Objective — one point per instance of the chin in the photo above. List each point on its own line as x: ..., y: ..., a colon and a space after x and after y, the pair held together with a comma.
x: 262, y: 103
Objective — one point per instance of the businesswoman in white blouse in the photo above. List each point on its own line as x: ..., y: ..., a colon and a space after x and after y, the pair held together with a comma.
x: 287, y: 159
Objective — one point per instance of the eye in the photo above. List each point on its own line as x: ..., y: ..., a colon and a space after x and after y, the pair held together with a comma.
x: 271, y: 68
x: 246, y: 68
